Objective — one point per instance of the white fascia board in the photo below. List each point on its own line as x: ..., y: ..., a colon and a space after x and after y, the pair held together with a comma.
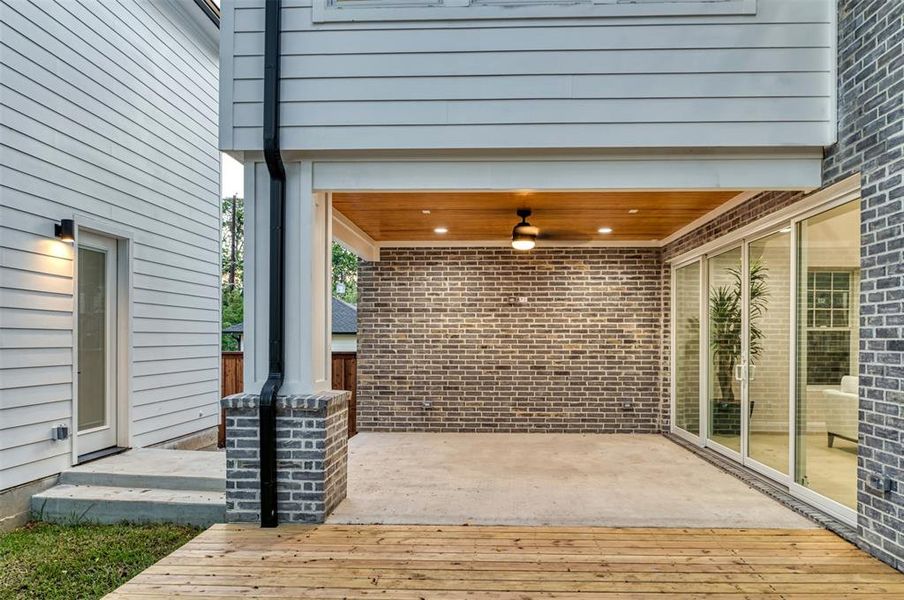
x: 774, y: 171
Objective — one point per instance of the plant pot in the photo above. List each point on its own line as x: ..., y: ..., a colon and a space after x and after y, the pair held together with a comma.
x: 726, y: 418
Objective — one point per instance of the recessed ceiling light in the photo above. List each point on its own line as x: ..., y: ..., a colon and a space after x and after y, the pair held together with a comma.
x: 440, y: 230
x: 604, y: 230
x: 426, y: 211
x: 633, y: 211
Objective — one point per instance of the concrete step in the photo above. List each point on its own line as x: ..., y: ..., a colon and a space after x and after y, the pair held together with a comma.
x: 153, y: 468
x: 67, y: 503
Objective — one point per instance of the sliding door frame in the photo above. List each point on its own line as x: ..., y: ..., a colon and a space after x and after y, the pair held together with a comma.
x: 821, y: 201
x: 697, y: 439
x: 737, y: 456
x: 834, y: 508
x: 748, y: 461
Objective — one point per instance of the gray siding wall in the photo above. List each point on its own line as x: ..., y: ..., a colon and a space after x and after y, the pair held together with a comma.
x: 725, y: 81
x: 109, y: 112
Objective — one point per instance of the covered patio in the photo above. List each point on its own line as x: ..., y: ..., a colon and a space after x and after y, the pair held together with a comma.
x: 550, y: 479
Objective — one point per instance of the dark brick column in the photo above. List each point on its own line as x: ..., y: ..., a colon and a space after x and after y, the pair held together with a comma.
x: 871, y: 141
x: 311, y: 455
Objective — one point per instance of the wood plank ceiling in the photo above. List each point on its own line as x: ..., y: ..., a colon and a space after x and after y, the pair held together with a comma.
x: 490, y: 216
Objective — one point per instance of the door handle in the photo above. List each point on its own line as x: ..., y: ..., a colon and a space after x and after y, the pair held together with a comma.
x: 751, y: 372
x: 739, y: 372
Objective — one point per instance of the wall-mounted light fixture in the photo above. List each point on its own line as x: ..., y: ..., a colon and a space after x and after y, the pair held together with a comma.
x: 65, y: 230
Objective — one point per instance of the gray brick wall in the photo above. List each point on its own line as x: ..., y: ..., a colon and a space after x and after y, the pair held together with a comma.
x: 581, y: 355
x: 311, y: 455
x: 871, y: 141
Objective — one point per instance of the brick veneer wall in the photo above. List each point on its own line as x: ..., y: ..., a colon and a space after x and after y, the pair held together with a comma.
x: 871, y: 141
x: 439, y: 326
x: 311, y: 456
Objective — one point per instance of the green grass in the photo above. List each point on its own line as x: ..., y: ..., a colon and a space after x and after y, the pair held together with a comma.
x: 42, y: 560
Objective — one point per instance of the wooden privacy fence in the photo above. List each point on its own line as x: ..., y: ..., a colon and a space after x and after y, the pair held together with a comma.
x: 233, y: 373
x: 345, y: 377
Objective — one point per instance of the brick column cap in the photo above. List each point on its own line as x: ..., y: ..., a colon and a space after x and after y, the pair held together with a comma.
x: 305, y: 402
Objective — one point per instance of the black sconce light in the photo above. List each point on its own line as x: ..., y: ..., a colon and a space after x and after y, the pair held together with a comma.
x: 65, y: 230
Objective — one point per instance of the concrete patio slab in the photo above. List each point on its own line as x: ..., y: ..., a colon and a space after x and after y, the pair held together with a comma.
x: 546, y: 479
x: 153, y: 467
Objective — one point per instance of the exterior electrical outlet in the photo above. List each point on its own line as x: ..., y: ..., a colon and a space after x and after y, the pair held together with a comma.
x: 59, y: 433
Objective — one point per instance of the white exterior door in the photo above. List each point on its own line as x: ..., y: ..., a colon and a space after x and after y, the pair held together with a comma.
x: 96, y: 343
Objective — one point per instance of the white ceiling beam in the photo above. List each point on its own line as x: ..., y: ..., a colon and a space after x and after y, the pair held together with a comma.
x: 353, y: 238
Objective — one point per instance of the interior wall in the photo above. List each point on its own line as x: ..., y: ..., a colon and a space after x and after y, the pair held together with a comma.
x: 490, y: 339
x: 769, y: 389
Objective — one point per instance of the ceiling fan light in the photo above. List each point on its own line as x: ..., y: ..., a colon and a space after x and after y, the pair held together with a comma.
x: 524, y: 243
x: 524, y: 235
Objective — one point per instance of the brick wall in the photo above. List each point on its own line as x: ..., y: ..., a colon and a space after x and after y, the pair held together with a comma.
x: 440, y: 326
x: 871, y: 141
x: 311, y: 456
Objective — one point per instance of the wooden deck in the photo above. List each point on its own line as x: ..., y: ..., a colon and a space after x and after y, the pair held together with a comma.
x: 517, y: 563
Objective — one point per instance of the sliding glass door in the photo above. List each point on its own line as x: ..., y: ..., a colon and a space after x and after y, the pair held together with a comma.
x: 687, y: 348
x: 769, y: 349
x: 726, y: 349
x: 828, y: 289
x: 768, y: 326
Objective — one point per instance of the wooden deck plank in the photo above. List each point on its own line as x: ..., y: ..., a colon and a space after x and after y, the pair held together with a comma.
x: 514, y: 563
x: 414, y: 572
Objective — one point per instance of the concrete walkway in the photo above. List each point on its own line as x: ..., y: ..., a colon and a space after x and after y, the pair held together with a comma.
x: 546, y: 479
x: 142, y: 485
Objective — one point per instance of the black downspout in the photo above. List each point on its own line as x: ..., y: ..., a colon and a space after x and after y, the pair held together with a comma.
x: 277, y: 272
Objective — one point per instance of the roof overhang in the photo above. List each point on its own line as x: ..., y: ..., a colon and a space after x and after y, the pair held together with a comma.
x: 380, y: 202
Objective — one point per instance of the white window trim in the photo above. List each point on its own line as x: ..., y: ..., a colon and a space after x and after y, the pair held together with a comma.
x: 325, y: 11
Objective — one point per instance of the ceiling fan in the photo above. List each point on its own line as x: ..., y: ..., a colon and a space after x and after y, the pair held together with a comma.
x: 524, y: 235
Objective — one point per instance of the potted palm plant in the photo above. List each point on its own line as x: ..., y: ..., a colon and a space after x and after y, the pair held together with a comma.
x: 725, y: 335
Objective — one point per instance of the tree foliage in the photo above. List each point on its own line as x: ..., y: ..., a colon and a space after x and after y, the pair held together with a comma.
x: 232, y: 267
x: 345, y: 274
x: 232, y: 225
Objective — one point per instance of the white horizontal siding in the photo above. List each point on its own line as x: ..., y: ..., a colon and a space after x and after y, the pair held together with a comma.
x: 109, y: 113
x: 727, y: 81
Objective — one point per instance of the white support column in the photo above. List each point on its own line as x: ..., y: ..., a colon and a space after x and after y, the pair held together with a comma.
x: 308, y: 270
